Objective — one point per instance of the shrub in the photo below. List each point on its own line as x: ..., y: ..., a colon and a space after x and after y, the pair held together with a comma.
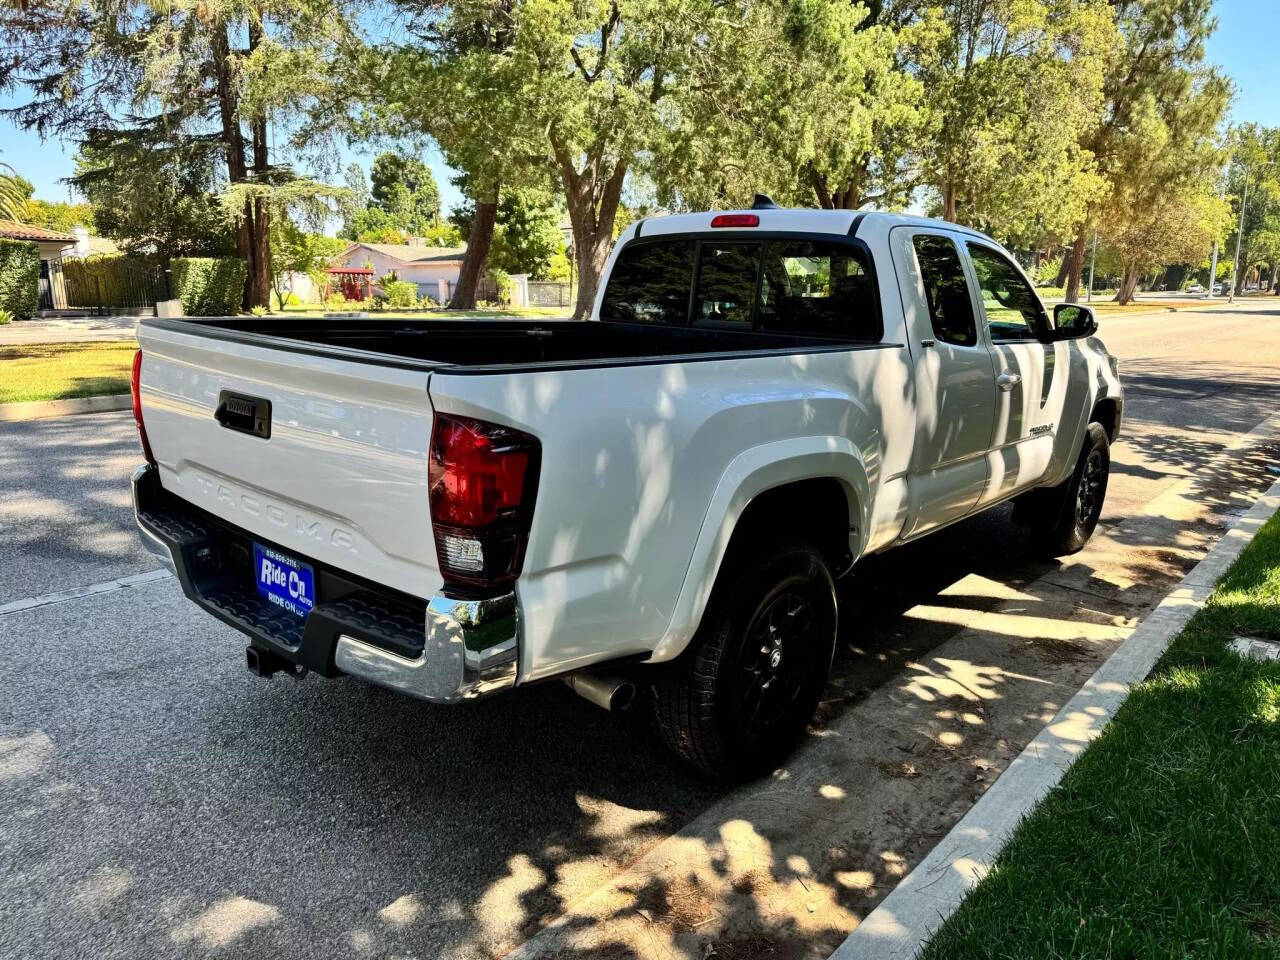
x: 5, y: 317
x: 335, y: 301
x: 502, y: 284
x: 209, y: 286
x: 259, y: 311
x: 19, y: 278
x: 401, y: 293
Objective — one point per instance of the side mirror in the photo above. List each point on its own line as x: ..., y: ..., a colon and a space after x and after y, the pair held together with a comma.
x: 1073, y: 320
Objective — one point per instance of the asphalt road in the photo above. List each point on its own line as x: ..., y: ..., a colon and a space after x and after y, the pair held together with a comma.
x: 157, y: 800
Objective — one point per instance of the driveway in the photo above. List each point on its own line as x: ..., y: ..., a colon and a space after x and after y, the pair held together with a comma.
x: 158, y: 800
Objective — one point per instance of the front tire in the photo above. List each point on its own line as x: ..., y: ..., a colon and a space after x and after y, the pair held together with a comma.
x: 1064, y: 517
x: 738, y: 700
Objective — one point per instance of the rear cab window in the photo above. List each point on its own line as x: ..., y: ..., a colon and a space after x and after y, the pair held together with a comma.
x: 946, y: 290
x: 798, y: 286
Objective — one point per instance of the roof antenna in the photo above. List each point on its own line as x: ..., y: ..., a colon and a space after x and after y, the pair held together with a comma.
x: 763, y: 202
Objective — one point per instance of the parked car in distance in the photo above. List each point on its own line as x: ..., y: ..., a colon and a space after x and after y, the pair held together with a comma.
x: 1195, y: 288
x: 656, y: 501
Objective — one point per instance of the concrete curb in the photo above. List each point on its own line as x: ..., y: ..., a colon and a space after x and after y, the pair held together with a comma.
x: 902, y: 924
x: 40, y: 409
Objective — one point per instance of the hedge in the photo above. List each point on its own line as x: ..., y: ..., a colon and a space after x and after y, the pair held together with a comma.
x: 209, y: 286
x: 20, y: 278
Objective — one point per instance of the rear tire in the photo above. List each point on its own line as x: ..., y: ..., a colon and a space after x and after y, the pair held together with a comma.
x: 1063, y: 518
x: 737, y: 701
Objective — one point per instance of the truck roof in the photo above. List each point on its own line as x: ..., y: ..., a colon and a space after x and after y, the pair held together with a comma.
x: 791, y: 219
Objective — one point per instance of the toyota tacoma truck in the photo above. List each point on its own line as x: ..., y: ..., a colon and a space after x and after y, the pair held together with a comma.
x: 654, y: 502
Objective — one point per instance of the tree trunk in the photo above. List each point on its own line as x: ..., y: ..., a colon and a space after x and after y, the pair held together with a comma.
x: 233, y: 146
x: 1128, y: 284
x: 259, y: 279
x: 593, y: 207
x: 949, y: 203
x: 464, y: 294
x: 1065, y: 269
x: 1074, y: 264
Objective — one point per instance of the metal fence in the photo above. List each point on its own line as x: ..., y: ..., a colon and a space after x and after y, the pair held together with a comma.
x: 114, y: 282
x: 545, y: 293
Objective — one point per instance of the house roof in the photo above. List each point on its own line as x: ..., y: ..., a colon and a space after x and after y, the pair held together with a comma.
x: 409, y: 253
x: 10, y: 230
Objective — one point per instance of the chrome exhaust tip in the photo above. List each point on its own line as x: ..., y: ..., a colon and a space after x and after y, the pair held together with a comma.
x: 608, y: 692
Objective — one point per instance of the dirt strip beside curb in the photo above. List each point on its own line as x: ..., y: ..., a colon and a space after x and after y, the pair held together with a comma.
x: 903, y: 922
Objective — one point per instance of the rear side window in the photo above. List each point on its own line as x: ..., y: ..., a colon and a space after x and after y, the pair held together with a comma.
x: 816, y: 288
x: 796, y: 286
x: 946, y: 289
x: 650, y: 284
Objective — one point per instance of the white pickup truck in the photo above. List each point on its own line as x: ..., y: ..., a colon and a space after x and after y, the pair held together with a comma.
x: 655, y: 501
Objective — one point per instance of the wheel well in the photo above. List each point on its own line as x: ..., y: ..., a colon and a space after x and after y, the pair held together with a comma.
x: 1107, y: 413
x: 816, y: 511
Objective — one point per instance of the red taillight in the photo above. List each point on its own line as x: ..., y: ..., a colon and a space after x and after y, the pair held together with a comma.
x: 135, y: 388
x: 483, y: 478
x: 735, y: 220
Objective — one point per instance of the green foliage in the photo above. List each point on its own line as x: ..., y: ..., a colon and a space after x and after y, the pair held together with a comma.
x: 400, y: 293
x: 526, y: 236
x: 63, y: 217
x: 403, y: 202
x: 259, y: 311
x: 295, y: 252
x: 502, y: 283
x: 6, y: 316
x: 209, y: 287
x: 13, y: 195
x: 1048, y: 271
x: 19, y: 278
x: 153, y: 198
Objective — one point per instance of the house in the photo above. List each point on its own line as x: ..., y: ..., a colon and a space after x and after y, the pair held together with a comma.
x: 434, y: 269
x: 52, y: 245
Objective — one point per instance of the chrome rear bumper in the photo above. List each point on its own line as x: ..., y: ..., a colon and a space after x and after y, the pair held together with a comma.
x: 471, y: 651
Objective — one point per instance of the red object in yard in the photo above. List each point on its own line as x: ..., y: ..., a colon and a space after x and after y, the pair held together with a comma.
x: 354, y: 283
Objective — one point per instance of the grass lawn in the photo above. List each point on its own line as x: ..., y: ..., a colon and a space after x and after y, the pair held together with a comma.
x: 1164, y: 839
x: 55, y: 371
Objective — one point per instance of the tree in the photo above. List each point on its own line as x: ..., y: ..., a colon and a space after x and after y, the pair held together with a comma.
x: 405, y: 187
x: 13, y: 195
x: 1255, y: 167
x: 1014, y: 85
x: 1176, y: 227
x: 154, y: 198
x: 294, y: 251
x: 153, y: 77
x: 1157, y: 91
x: 526, y: 236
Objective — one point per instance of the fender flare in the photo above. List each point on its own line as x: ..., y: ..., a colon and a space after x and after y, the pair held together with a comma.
x: 751, y: 473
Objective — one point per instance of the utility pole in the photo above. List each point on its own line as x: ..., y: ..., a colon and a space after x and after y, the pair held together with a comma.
x: 1235, y: 264
x: 1093, y: 255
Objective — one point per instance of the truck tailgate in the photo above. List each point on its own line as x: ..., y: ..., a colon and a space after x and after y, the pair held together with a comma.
x: 341, y: 479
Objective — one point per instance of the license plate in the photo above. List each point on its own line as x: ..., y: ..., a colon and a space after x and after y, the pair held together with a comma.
x: 288, y: 583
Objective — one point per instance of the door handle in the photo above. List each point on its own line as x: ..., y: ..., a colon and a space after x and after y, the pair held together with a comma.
x: 928, y: 342
x: 1007, y: 381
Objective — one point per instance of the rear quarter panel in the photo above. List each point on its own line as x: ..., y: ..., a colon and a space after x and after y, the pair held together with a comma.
x: 645, y: 467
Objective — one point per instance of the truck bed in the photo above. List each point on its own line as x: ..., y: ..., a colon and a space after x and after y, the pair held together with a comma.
x: 492, y: 345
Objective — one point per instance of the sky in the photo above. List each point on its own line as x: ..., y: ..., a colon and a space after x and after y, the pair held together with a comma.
x: 1243, y: 46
